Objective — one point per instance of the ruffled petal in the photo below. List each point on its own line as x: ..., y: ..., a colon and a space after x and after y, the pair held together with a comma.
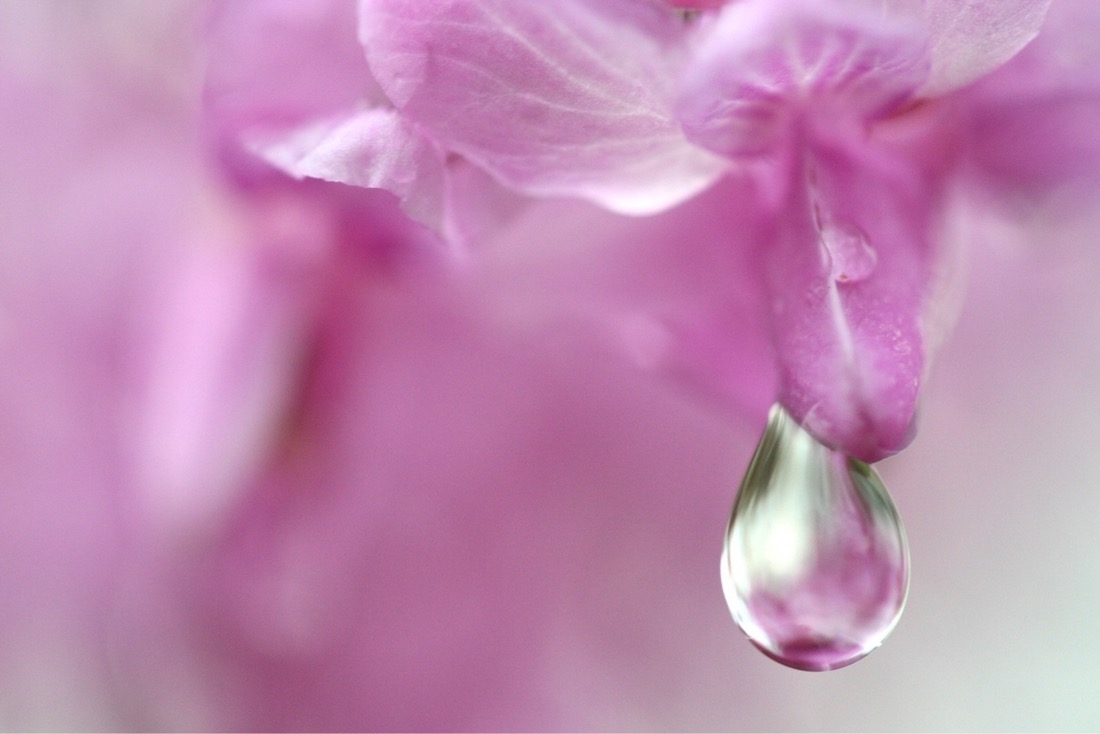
x: 849, y: 267
x: 289, y: 81
x: 765, y: 66
x: 970, y: 38
x: 374, y: 148
x: 563, y: 99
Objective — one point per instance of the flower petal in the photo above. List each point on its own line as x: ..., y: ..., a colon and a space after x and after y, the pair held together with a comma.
x: 289, y: 81
x: 849, y: 270
x: 970, y: 38
x: 374, y: 148
x: 228, y: 323
x: 327, y: 119
x: 765, y: 66
x: 567, y: 98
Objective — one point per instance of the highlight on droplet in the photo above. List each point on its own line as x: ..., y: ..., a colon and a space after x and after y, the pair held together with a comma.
x: 815, y: 565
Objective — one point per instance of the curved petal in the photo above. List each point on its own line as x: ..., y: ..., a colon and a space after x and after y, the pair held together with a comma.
x: 374, y: 148
x: 970, y: 38
x: 563, y: 99
x: 765, y: 66
x: 229, y: 320
x: 289, y: 81
x: 850, y: 269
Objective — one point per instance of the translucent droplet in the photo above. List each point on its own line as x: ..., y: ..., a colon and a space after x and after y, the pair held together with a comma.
x: 815, y: 567
x: 852, y: 258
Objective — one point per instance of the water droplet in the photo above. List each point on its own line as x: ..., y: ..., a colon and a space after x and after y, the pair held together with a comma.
x: 851, y: 256
x: 815, y: 567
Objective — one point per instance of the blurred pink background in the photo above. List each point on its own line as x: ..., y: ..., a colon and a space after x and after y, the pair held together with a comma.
x: 266, y: 462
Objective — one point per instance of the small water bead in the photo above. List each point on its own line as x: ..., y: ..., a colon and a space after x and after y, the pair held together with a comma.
x: 815, y: 567
x: 852, y: 258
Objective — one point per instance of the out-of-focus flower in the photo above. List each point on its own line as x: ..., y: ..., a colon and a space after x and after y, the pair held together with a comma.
x: 286, y: 455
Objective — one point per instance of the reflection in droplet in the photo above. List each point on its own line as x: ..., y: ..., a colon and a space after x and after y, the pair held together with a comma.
x: 851, y: 256
x: 815, y: 567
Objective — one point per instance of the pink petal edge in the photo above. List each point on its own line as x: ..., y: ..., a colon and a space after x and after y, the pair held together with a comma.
x: 562, y: 99
x: 971, y: 38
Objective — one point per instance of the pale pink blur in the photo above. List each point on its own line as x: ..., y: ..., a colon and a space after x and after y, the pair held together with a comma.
x: 273, y: 455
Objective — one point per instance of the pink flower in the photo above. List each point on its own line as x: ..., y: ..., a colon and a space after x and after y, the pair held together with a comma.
x: 281, y: 454
x: 836, y: 110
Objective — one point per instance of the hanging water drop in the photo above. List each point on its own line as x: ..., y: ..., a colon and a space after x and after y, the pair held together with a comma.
x: 815, y: 567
